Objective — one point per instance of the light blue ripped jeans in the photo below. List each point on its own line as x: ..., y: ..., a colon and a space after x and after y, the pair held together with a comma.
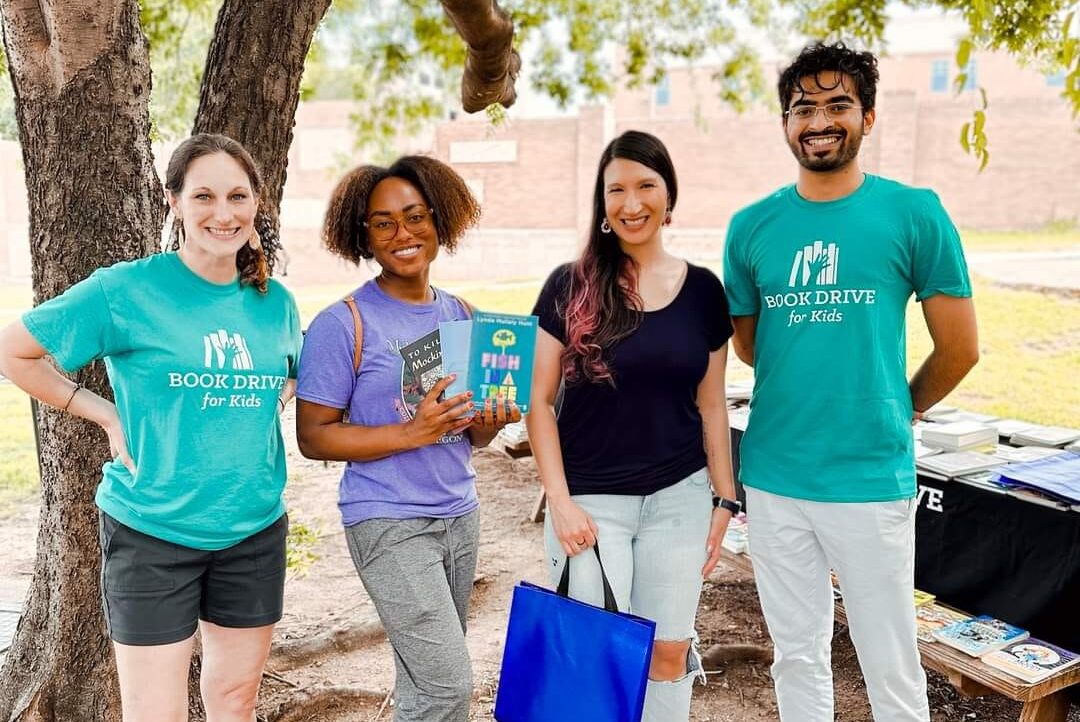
x: 653, y: 549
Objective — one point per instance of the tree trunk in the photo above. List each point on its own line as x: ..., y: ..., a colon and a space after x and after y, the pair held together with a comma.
x: 251, y: 87
x: 81, y: 75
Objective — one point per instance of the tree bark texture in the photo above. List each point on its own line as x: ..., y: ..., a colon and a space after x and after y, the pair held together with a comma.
x: 81, y: 76
x: 492, y: 64
x: 251, y: 86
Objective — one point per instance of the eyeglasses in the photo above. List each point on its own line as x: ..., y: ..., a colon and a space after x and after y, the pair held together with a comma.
x: 832, y: 111
x: 384, y: 228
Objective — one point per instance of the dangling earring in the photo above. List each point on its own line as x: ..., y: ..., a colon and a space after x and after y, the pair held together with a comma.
x: 255, y: 241
x: 605, y: 227
x: 667, y: 218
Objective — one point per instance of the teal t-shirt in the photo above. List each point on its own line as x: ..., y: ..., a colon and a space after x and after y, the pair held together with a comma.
x: 196, y: 369
x: 830, y: 416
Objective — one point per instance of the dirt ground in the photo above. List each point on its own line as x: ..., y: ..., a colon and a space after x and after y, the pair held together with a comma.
x: 330, y: 595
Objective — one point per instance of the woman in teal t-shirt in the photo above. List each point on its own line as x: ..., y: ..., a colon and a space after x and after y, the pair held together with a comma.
x: 201, y: 350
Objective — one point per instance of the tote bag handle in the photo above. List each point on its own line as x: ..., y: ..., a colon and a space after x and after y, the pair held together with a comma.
x: 563, y: 590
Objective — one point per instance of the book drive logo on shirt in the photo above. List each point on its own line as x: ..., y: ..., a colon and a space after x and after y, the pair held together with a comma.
x: 224, y: 354
x: 814, y: 295
x: 222, y: 351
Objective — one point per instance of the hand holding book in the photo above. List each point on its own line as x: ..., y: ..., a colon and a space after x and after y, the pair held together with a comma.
x: 437, y: 417
x: 495, y: 414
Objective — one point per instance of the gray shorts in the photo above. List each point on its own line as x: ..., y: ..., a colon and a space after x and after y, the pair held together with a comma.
x: 155, y: 592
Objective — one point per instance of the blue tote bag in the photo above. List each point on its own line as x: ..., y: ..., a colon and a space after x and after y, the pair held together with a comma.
x: 565, y: 659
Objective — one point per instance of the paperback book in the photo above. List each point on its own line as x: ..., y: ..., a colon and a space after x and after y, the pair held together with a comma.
x: 932, y: 617
x: 959, y: 436
x: 957, y: 463
x: 922, y: 597
x: 492, y: 354
x: 1032, y: 660
x: 1045, y: 436
x: 979, y: 635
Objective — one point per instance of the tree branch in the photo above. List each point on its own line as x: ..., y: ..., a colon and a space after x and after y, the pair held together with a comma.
x: 492, y: 65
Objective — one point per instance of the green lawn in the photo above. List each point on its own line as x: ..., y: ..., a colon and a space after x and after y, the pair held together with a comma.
x: 1055, y: 237
x: 1030, y: 356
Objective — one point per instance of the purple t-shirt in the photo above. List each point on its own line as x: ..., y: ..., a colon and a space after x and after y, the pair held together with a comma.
x: 433, y: 481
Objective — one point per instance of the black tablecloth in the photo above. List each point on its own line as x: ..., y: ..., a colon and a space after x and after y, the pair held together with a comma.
x: 988, y: 553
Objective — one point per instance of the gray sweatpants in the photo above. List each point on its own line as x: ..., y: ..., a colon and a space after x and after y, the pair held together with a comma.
x: 419, y: 573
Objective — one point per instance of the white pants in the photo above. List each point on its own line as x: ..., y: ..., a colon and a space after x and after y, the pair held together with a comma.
x: 871, y: 546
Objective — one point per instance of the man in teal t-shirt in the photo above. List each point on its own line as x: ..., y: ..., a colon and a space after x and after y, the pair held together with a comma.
x: 818, y: 276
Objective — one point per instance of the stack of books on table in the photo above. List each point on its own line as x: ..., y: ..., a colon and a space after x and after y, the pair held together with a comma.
x: 1020, y: 454
x: 959, y: 436
x: 996, y: 643
x: 740, y: 390
x: 979, y: 635
x: 957, y: 463
x: 1050, y: 436
x: 1031, y: 660
x: 932, y: 616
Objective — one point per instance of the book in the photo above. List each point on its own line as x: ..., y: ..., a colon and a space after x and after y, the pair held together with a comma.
x: 959, y: 436
x: 979, y: 635
x: 1045, y: 436
x: 737, y: 536
x: 492, y: 354
x: 938, y: 411
x: 957, y: 463
x: 423, y: 366
x: 933, y: 616
x: 922, y: 597
x: 1031, y: 660
x: 1008, y: 427
x: 1018, y: 454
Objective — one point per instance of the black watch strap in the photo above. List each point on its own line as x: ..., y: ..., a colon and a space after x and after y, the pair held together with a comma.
x: 732, y: 505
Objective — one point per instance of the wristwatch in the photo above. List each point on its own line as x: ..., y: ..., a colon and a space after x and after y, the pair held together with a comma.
x: 732, y: 505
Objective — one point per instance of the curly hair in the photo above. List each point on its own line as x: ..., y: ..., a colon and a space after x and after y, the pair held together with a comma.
x: 453, y: 207
x: 603, y: 305
x: 818, y: 58
x: 254, y: 266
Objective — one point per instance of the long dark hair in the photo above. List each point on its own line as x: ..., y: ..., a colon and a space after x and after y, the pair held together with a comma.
x: 603, y: 305
x: 253, y: 265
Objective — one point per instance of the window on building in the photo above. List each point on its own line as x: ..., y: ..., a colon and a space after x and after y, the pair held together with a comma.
x: 970, y: 81
x: 939, y: 76
x: 663, y: 91
x: 1056, y: 80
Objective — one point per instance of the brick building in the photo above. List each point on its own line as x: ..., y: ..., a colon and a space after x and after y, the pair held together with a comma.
x: 534, y: 176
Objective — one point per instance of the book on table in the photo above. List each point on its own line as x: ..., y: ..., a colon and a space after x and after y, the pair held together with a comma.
x: 492, y: 354
x: 979, y: 635
x: 957, y: 463
x: 1019, y: 454
x: 933, y: 616
x: 1031, y: 660
x: 922, y: 597
x: 1059, y: 436
x: 959, y: 436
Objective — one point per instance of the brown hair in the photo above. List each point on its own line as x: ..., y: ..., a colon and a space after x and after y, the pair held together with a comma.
x: 453, y: 207
x: 253, y: 265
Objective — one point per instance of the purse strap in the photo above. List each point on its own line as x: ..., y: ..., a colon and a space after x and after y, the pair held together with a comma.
x: 563, y: 590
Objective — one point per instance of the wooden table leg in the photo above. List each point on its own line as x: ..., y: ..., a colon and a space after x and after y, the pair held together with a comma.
x: 1051, y: 708
x: 538, y: 508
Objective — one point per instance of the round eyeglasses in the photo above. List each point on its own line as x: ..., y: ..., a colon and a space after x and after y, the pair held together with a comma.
x: 384, y: 228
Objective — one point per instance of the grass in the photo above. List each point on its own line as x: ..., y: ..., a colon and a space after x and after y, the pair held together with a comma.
x: 1053, y: 237
x: 19, y: 477
x: 1030, y: 346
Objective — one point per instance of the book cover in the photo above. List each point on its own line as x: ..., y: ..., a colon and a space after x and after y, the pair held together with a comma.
x: 491, y: 354
x: 979, y: 635
x: 1032, y: 660
x: 922, y: 597
x: 932, y: 617
x: 423, y: 364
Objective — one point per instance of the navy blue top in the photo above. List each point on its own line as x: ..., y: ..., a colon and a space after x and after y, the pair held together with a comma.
x: 644, y: 434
